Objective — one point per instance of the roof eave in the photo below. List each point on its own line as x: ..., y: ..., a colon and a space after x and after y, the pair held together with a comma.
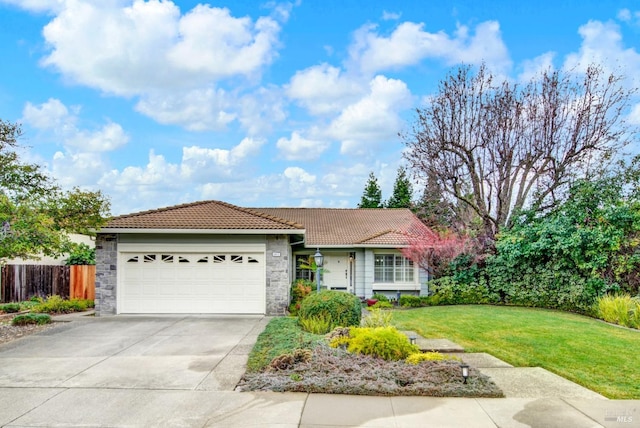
x: 356, y: 245
x: 202, y: 231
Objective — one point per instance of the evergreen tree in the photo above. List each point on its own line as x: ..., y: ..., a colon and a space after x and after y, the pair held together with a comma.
x: 372, y: 196
x: 402, y: 191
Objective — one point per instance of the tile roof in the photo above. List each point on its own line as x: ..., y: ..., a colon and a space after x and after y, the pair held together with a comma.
x: 204, y: 215
x: 354, y: 227
x: 323, y: 226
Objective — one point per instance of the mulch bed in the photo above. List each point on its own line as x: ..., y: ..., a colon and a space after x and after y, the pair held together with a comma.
x: 335, y: 371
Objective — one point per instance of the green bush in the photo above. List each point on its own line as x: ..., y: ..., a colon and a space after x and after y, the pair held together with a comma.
x: 31, y: 318
x: 409, y: 301
x: 343, y: 309
x: 320, y: 324
x: 377, y: 318
x: 380, y: 305
x: 419, y: 357
x: 621, y: 309
x: 380, y: 297
x: 449, y: 291
x: 81, y: 254
x: 57, y: 305
x: 300, y: 289
x: 10, y: 308
x: 381, y: 342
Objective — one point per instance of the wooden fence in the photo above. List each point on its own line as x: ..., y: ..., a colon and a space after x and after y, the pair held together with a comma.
x: 21, y: 282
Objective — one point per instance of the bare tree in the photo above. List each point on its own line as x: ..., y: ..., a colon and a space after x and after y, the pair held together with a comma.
x: 497, y: 148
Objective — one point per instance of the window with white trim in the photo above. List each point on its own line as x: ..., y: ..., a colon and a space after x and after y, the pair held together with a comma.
x: 391, y: 268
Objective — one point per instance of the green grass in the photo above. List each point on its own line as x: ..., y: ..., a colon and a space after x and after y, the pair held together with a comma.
x: 281, y: 336
x: 599, y: 356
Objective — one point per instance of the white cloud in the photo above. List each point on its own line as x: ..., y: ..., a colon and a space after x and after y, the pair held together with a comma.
x: 51, y: 115
x: 150, y: 45
x: 110, y: 137
x: 533, y: 67
x: 300, y: 148
x: 54, y: 116
x: 261, y: 110
x: 602, y: 44
x: 177, y: 65
x: 196, y: 110
x: 626, y: 15
x: 202, y: 164
x: 213, y: 42
x: 78, y: 168
x: 324, y: 89
x: 390, y: 16
x: 409, y: 44
x: 372, y: 119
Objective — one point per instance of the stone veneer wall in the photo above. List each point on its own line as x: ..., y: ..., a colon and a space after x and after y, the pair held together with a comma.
x: 278, y: 274
x: 106, y: 274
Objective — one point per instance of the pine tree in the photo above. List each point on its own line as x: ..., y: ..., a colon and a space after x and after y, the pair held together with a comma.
x: 372, y: 196
x: 402, y: 191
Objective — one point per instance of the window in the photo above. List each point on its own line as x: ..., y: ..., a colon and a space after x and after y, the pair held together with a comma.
x: 305, y: 272
x: 393, y: 268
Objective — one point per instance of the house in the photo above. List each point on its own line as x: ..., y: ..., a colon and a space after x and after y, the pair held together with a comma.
x: 214, y: 257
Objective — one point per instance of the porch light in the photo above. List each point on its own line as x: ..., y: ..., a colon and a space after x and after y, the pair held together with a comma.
x: 465, y: 372
x: 319, y: 259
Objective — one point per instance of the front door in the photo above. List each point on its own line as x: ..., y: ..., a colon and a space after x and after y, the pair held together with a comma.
x: 337, y: 272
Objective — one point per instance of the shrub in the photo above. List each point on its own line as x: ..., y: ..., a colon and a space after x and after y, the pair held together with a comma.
x: 343, y: 309
x: 380, y: 297
x: 31, y: 318
x: 377, y: 318
x: 620, y: 309
x: 57, y: 305
x: 300, y: 289
x: 380, y: 305
x: 316, y: 324
x: 419, y: 357
x: 449, y: 291
x: 81, y: 254
x: 10, y: 308
x: 409, y: 301
x: 382, y: 342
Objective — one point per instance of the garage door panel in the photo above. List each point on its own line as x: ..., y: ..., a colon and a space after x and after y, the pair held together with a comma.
x: 192, y: 283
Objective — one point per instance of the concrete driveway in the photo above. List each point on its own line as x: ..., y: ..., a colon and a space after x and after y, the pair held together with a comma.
x: 129, y: 370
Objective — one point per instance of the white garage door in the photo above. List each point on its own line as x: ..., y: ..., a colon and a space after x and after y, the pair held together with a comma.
x: 180, y: 282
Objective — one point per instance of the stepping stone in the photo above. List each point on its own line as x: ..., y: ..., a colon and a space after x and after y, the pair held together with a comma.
x: 481, y: 360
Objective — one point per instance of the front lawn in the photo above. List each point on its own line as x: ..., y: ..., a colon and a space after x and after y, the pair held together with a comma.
x: 601, y: 357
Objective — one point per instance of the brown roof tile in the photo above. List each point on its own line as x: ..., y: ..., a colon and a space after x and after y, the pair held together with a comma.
x: 370, y: 226
x: 201, y: 215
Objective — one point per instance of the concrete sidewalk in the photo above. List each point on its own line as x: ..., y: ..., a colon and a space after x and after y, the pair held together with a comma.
x: 56, y: 407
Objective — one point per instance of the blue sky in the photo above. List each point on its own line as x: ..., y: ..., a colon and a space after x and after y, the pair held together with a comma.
x: 266, y: 103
